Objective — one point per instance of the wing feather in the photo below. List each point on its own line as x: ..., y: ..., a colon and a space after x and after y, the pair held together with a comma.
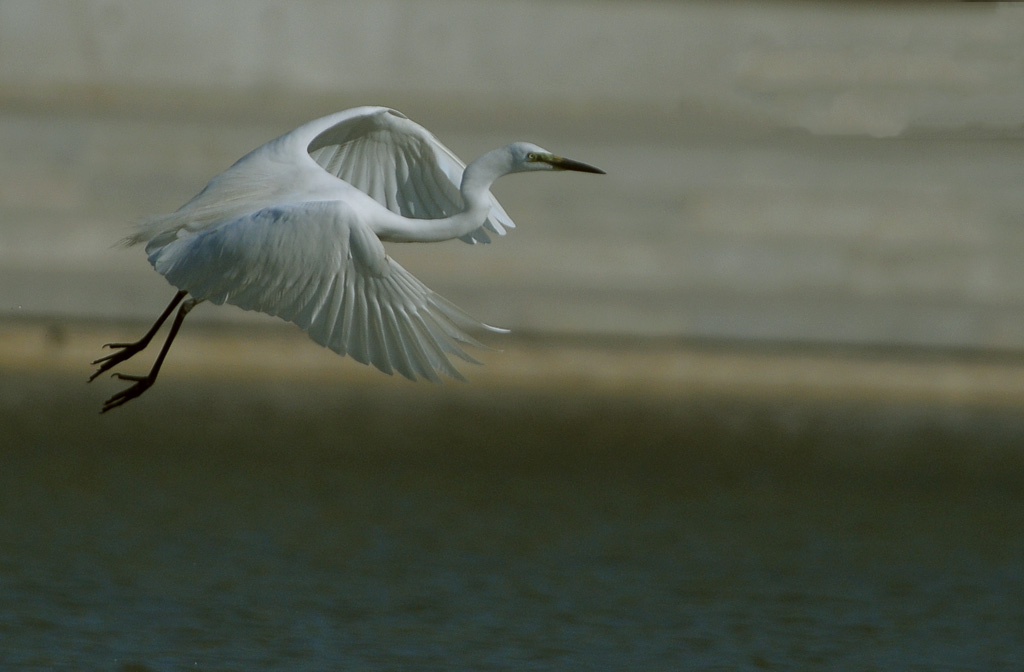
x: 308, y: 310
x: 433, y: 347
x: 398, y: 163
x: 361, y: 342
x: 316, y: 265
x: 398, y: 350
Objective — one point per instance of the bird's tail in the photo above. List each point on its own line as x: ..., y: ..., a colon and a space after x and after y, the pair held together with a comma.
x: 157, y: 230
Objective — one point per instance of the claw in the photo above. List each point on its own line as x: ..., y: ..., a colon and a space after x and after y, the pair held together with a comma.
x: 108, y: 362
x: 142, y: 383
x: 129, y: 376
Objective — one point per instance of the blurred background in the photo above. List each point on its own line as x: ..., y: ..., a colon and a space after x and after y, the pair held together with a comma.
x: 813, y: 172
x: 766, y: 373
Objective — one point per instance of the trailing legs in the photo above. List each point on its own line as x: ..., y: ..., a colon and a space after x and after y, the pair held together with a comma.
x: 127, y: 350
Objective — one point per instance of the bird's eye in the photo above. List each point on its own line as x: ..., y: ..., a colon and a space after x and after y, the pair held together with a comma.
x: 532, y: 156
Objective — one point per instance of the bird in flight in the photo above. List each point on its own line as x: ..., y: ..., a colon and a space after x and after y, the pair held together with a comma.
x: 296, y: 228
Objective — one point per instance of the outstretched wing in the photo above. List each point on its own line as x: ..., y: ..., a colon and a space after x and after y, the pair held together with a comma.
x: 316, y: 265
x: 398, y: 163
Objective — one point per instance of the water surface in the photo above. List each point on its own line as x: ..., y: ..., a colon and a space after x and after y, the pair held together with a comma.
x: 268, y: 526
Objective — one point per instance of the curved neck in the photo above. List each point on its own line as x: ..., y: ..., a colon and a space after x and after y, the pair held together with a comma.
x: 475, y: 189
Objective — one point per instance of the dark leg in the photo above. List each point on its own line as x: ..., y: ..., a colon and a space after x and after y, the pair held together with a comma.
x: 143, y: 383
x: 129, y: 350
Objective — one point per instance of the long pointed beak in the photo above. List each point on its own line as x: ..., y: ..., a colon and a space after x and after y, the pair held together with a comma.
x: 560, y: 163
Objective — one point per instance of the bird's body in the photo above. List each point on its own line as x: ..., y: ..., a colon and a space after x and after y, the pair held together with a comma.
x: 295, y: 229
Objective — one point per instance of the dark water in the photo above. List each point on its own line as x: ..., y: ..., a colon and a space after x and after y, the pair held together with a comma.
x: 267, y: 526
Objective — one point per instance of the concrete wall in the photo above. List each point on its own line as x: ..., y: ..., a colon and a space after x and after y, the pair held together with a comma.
x: 827, y: 172
x: 829, y: 67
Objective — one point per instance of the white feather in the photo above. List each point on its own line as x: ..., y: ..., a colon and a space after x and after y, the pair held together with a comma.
x: 317, y: 265
x: 295, y: 229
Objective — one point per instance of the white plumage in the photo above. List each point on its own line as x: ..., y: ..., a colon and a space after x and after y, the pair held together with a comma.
x: 295, y: 229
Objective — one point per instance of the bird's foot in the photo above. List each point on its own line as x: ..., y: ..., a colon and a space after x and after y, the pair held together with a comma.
x: 142, y: 383
x: 125, y: 351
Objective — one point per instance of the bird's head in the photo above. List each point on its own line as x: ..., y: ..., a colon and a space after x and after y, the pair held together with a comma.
x: 529, y: 157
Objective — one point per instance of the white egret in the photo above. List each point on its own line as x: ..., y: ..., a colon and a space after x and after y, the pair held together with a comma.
x: 294, y: 229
